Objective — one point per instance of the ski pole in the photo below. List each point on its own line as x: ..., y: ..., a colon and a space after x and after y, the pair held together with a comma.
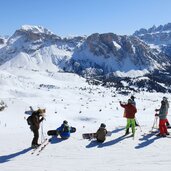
x: 42, y: 133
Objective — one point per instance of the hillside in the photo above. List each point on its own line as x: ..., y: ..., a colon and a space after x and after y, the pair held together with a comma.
x: 69, y: 97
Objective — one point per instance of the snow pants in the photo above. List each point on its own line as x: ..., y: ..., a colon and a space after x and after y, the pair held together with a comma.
x: 162, y: 126
x: 132, y: 123
x: 36, y: 136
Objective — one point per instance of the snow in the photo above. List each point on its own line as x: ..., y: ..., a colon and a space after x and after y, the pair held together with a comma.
x: 153, y: 46
x: 116, y: 45
x: 85, y: 107
x: 131, y: 73
x: 36, y: 29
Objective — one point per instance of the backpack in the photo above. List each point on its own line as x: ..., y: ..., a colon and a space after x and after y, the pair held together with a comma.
x: 29, y: 120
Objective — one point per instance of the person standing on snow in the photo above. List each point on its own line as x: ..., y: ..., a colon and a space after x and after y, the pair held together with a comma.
x: 36, y: 118
x: 101, y: 133
x: 130, y: 111
x: 163, y: 119
x: 167, y: 107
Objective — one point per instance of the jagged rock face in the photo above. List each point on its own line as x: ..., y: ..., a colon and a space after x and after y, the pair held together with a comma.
x: 2, y: 41
x: 34, y: 33
x: 160, y: 36
x: 110, y: 52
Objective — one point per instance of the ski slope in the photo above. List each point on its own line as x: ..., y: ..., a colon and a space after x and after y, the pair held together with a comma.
x: 68, y: 97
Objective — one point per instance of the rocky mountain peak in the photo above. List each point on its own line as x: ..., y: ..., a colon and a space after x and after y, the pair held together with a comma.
x: 35, y: 29
x: 154, y: 30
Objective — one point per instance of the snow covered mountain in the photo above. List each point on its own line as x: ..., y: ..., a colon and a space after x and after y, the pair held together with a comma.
x: 110, y: 53
x: 123, y: 61
x: 34, y: 47
x: 159, y: 37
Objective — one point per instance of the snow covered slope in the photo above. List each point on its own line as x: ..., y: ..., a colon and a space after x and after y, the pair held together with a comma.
x: 69, y: 97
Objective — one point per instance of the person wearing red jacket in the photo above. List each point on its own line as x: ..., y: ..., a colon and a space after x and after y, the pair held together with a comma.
x: 130, y: 111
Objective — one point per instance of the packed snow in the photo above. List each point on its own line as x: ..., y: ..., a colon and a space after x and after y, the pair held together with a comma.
x: 69, y: 97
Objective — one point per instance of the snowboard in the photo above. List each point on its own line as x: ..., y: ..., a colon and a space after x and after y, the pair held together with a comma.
x: 56, y: 133
x: 94, y: 135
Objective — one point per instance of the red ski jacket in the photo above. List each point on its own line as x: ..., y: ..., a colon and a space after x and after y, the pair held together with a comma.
x: 130, y: 110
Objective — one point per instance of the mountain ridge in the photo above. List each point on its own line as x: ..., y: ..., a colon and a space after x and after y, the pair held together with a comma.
x: 101, y: 56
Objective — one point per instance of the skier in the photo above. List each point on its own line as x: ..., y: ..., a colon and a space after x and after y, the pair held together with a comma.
x: 64, y: 130
x: 130, y: 111
x: 101, y: 133
x: 162, y: 115
x: 36, y: 118
x: 134, y: 103
x: 167, y: 107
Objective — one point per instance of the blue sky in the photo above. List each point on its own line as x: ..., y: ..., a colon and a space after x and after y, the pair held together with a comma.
x: 84, y: 17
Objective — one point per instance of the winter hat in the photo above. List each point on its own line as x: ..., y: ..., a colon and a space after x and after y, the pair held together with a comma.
x: 65, y: 122
x: 132, y: 97
x: 164, y: 98
x: 41, y: 112
x: 102, y: 125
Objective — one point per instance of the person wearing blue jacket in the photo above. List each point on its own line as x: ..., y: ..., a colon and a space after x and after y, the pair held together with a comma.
x: 64, y: 130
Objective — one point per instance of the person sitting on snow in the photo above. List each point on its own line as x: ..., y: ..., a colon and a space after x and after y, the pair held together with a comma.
x: 130, y: 111
x: 64, y: 130
x: 101, y: 133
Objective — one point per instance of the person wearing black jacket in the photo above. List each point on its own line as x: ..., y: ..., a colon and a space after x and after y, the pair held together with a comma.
x: 36, y: 119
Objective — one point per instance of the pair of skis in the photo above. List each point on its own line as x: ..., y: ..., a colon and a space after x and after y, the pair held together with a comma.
x: 41, y: 147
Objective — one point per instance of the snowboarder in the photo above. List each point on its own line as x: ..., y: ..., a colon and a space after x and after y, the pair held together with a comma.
x: 35, y: 120
x: 163, y: 119
x: 101, y: 133
x: 64, y: 130
x: 130, y: 111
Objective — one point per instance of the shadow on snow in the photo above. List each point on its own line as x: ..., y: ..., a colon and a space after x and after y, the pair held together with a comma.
x: 147, y: 140
x: 56, y: 140
x: 7, y: 158
x: 95, y: 143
